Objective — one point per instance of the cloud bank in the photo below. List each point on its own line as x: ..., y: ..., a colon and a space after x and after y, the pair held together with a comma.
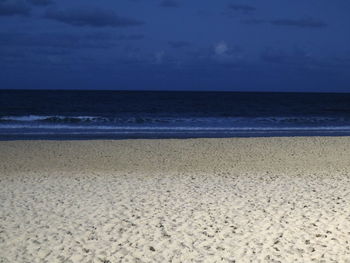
x: 63, y: 40
x: 169, y: 3
x: 306, y: 22
x: 91, y: 17
x: 179, y: 44
x: 14, y: 7
x: 298, y: 23
x: 40, y: 2
x: 241, y: 8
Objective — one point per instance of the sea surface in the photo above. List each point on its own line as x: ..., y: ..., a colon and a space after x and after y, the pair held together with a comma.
x: 140, y: 114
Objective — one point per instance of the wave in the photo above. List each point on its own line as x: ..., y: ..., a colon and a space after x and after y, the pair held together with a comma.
x: 103, y: 120
x: 37, y: 118
x: 171, y: 128
x: 174, y: 132
x: 179, y: 130
x: 89, y: 119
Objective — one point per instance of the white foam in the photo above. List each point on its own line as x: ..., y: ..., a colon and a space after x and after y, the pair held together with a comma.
x: 171, y: 128
x: 29, y: 118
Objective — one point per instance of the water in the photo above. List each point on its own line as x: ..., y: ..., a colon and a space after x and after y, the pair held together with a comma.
x: 122, y: 115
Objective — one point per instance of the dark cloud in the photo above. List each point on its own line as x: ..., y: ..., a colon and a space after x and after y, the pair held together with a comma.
x: 301, y: 23
x: 233, y: 9
x: 132, y: 49
x: 100, y: 36
x: 301, y: 59
x: 14, y: 7
x: 254, y: 21
x: 179, y: 44
x: 9, y: 54
x: 91, y: 17
x: 40, y: 2
x: 51, y: 51
x: 15, y: 47
x: 307, y: 22
x: 62, y: 41
x: 54, y: 48
x: 220, y: 55
x: 298, y: 57
x: 241, y: 8
x: 169, y: 3
x: 341, y: 62
x: 130, y: 37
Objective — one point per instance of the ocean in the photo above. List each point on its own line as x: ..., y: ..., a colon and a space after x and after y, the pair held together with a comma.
x: 60, y: 115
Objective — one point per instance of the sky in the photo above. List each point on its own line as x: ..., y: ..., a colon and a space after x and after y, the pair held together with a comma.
x: 229, y: 45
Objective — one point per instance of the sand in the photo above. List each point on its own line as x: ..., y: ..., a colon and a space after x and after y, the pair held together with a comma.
x: 204, y: 200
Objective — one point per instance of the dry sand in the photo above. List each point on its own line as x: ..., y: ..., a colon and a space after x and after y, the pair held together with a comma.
x: 205, y: 200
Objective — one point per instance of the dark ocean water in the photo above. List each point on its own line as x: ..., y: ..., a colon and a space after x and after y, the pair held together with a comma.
x: 121, y: 115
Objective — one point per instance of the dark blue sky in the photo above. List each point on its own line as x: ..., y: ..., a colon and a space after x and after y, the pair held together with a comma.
x: 246, y: 45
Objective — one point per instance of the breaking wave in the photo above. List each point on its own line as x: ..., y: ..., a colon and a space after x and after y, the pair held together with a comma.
x: 71, y: 120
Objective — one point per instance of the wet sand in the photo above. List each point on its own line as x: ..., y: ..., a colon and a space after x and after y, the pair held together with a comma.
x: 204, y: 200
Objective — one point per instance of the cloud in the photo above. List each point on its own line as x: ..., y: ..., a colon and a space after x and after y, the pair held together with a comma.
x: 340, y: 62
x: 61, y: 48
x: 212, y: 58
x: 91, y: 17
x: 279, y: 56
x: 306, y: 22
x: 135, y: 37
x: 179, y: 44
x: 159, y: 56
x: 300, y: 23
x: 100, y: 36
x: 224, y: 55
x: 300, y: 58
x: 221, y: 48
x: 40, y: 2
x: 169, y: 3
x: 14, y: 7
x: 11, y: 54
x: 63, y: 41
x: 254, y: 21
x: 220, y: 52
x: 242, y: 8
x: 297, y: 58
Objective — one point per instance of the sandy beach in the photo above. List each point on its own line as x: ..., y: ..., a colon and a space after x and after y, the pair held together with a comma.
x: 203, y: 200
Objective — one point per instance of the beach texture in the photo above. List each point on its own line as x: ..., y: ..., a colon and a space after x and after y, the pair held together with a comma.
x: 203, y: 200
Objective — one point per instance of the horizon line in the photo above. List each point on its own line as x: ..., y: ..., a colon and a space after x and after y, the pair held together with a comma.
x: 155, y: 90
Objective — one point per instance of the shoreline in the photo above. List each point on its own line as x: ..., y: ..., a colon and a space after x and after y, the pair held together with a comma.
x: 343, y: 131
x: 273, y: 154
